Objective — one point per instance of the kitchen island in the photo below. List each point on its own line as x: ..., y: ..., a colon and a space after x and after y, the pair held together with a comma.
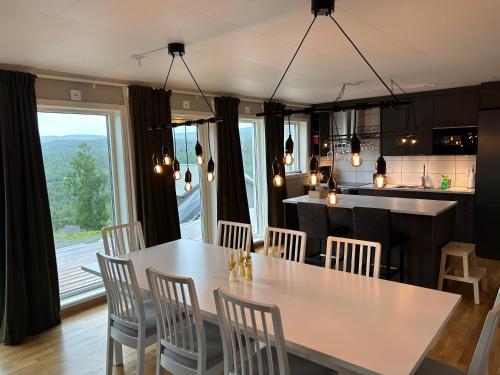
x: 426, y: 224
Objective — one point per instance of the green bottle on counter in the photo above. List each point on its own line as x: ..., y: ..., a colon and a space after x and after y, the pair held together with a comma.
x: 444, y: 182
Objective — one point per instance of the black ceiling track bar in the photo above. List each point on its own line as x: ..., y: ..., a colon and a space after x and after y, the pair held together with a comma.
x: 365, y: 59
x: 335, y: 108
x: 211, y: 120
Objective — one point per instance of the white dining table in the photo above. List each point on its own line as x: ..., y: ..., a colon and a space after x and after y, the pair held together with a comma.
x: 350, y: 323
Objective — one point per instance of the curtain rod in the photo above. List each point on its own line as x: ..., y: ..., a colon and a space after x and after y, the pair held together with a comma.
x: 115, y: 84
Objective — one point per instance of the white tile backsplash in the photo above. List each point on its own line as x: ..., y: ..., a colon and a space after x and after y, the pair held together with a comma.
x: 406, y: 170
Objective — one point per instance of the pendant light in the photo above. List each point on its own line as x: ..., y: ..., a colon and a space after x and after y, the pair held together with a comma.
x: 288, y: 158
x: 188, y: 186
x: 167, y: 158
x: 157, y: 167
x: 380, y: 180
x: 278, y: 180
x: 332, y: 198
x: 198, y: 150
x: 176, y: 164
x: 356, y: 159
x: 313, y: 171
x: 210, y: 164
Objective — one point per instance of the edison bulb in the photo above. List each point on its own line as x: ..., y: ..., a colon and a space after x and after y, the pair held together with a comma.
x: 177, y: 175
x: 380, y: 181
x: 288, y: 159
x: 332, y: 199
x: 167, y: 160
x: 158, y: 169
x: 313, y: 179
x: 356, y: 160
x: 199, y: 159
x: 188, y: 186
x: 210, y: 176
x: 278, y: 181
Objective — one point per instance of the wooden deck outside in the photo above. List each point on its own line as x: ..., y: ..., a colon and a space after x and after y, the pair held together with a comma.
x: 72, y: 280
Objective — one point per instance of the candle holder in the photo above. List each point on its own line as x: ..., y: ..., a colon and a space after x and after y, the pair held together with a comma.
x: 232, y: 268
x: 248, y: 268
x: 241, y: 265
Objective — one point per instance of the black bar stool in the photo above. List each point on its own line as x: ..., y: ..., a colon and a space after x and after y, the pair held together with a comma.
x: 374, y: 224
x: 314, y: 221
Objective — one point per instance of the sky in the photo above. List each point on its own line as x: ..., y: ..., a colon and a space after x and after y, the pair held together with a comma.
x: 60, y: 124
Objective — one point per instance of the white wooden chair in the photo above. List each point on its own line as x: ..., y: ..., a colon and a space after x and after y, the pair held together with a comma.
x: 479, y: 363
x: 353, y: 256
x: 186, y: 344
x: 285, y: 243
x: 131, y: 321
x: 257, y: 329
x: 123, y: 239
x: 234, y: 235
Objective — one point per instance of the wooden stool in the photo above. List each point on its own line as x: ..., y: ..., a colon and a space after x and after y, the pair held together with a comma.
x: 469, y: 273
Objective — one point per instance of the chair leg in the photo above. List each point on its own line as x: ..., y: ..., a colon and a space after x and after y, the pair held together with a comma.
x: 442, y: 268
x: 402, y: 262
x: 109, y: 355
x: 141, y: 357
x: 118, y: 360
x: 476, y: 292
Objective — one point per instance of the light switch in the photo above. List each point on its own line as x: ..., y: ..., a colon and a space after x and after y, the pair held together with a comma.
x: 186, y: 104
x: 75, y: 95
x: 247, y: 110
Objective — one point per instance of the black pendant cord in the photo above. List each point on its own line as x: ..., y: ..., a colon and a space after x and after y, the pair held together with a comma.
x: 209, y: 146
x: 289, y: 126
x: 293, y: 58
x: 168, y: 74
x: 364, y: 58
x: 186, y: 144
x: 197, y: 140
x: 175, y: 150
x: 197, y: 85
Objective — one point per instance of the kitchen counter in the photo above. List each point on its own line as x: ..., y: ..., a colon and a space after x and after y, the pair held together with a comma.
x: 455, y: 190
x: 425, y: 207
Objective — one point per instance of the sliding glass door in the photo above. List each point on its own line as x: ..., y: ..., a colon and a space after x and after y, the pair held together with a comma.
x: 76, y: 156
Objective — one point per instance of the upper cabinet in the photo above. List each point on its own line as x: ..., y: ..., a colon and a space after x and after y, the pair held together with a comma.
x: 418, y: 117
x: 456, y: 107
x: 490, y: 95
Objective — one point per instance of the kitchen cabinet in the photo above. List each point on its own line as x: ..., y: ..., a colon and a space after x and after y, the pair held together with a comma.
x: 392, y: 121
x: 487, y: 183
x: 464, y: 213
x: 490, y: 95
x: 456, y: 107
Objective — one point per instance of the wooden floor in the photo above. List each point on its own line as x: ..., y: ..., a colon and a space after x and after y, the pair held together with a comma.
x: 78, y: 345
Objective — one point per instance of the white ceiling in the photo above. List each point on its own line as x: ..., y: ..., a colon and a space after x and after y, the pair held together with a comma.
x: 242, y: 46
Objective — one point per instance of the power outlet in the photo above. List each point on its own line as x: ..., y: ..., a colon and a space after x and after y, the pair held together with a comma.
x: 75, y: 95
x: 186, y: 104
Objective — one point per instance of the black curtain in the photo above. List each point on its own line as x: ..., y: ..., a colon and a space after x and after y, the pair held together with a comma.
x: 155, y: 194
x: 29, y: 287
x: 232, y: 202
x: 274, y: 148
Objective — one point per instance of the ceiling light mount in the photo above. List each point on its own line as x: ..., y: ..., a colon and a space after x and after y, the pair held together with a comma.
x: 176, y: 49
x: 322, y: 7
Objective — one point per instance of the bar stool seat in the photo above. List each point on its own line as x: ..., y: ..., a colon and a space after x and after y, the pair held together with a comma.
x: 469, y: 272
x: 374, y: 224
x: 314, y: 221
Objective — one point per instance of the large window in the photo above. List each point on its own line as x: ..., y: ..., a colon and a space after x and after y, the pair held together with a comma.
x: 188, y: 202
x: 76, y: 156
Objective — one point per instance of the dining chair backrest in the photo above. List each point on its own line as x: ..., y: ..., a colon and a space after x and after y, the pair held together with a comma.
x: 125, y: 304
x: 122, y: 239
x: 479, y: 363
x: 178, y: 316
x: 372, y: 224
x: 313, y: 219
x: 285, y: 243
x: 234, y: 235
x: 247, y: 330
x: 353, y: 256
